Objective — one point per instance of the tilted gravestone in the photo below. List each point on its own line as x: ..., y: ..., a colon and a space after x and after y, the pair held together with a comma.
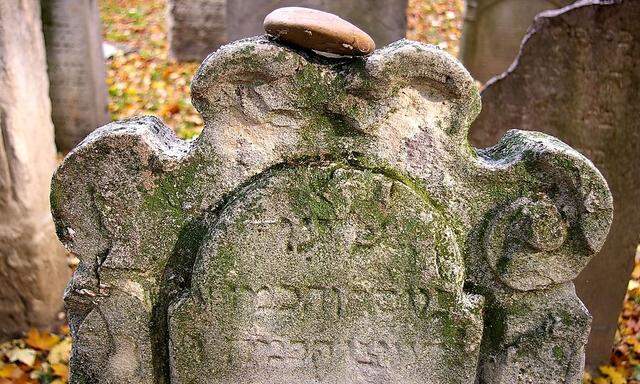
x: 577, y: 78
x: 197, y: 28
x: 493, y: 30
x: 330, y: 225
x: 33, y: 268
x: 76, y: 69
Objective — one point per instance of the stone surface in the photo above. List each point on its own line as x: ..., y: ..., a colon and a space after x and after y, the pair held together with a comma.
x: 321, y: 31
x: 562, y: 85
x: 330, y: 225
x: 76, y: 69
x: 493, y: 31
x: 33, y: 268
x: 199, y: 27
x: 196, y: 28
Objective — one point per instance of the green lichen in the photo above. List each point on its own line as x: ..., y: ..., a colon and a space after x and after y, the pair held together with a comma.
x: 558, y: 354
x: 316, y: 90
x: 170, y: 192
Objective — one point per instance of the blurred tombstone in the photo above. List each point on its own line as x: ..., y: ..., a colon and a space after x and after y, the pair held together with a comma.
x: 33, y: 270
x: 197, y: 28
x: 76, y: 69
x: 493, y: 30
x: 577, y: 78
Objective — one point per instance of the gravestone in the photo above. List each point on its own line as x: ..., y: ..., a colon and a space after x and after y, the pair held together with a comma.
x: 33, y: 268
x: 76, y: 69
x: 493, y: 30
x: 577, y: 78
x: 198, y: 28
x: 330, y: 225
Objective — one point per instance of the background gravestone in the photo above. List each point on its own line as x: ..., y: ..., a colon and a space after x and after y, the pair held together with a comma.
x: 330, y: 224
x: 493, y: 30
x: 562, y: 85
x: 198, y: 28
x: 76, y: 69
x: 33, y: 268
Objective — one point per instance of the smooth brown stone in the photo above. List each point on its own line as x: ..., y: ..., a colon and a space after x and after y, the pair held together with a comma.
x: 321, y: 31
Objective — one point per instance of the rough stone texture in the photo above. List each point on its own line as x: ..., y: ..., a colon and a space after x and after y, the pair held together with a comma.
x: 199, y: 27
x: 76, y: 69
x: 196, y: 28
x: 493, y: 31
x: 577, y: 78
x: 330, y: 225
x: 33, y: 268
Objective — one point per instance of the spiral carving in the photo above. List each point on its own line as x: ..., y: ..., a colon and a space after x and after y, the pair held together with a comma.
x: 529, y: 246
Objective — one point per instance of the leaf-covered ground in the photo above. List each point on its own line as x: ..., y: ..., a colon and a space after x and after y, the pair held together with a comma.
x: 142, y: 80
x: 145, y: 81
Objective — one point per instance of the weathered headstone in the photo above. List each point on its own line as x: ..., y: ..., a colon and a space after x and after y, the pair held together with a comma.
x: 199, y: 27
x: 493, y: 31
x: 196, y: 28
x: 33, y: 268
x: 330, y: 225
x: 577, y: 78
x: 76, y: 69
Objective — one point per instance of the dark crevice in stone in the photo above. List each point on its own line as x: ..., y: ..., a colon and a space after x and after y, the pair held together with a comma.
x: 176, y: 279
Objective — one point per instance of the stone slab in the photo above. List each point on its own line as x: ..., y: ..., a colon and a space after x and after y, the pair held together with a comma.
x: 493, y: 31
x: 33, y: 268
x: 76, y: 69
x: 200, y: 27
x: 196, y: 28
x: 577, y: 78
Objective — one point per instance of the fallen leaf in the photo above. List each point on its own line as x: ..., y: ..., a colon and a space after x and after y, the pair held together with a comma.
x: 26, y: 356
x: 61, y: 370
x: 43, y: 341
x: 10, y: 371
x: 60, y: 353
x: 614, y: 374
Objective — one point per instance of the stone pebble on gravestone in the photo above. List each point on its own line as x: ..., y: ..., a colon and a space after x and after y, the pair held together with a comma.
x: 76, y: 69
x: 33, y: 269
x: 197, y: 28
x: 493, y: 30
x: 317, y: 30
x: 577, y: 78
x: 330, y: 225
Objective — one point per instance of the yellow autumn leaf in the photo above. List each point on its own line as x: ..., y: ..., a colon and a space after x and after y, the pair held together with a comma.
x: 615, y: 375
x: 10, y: 371
x: 601, y: 380
x: 60, y: 353
x: 60, y: 370
x: 43, y: 341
